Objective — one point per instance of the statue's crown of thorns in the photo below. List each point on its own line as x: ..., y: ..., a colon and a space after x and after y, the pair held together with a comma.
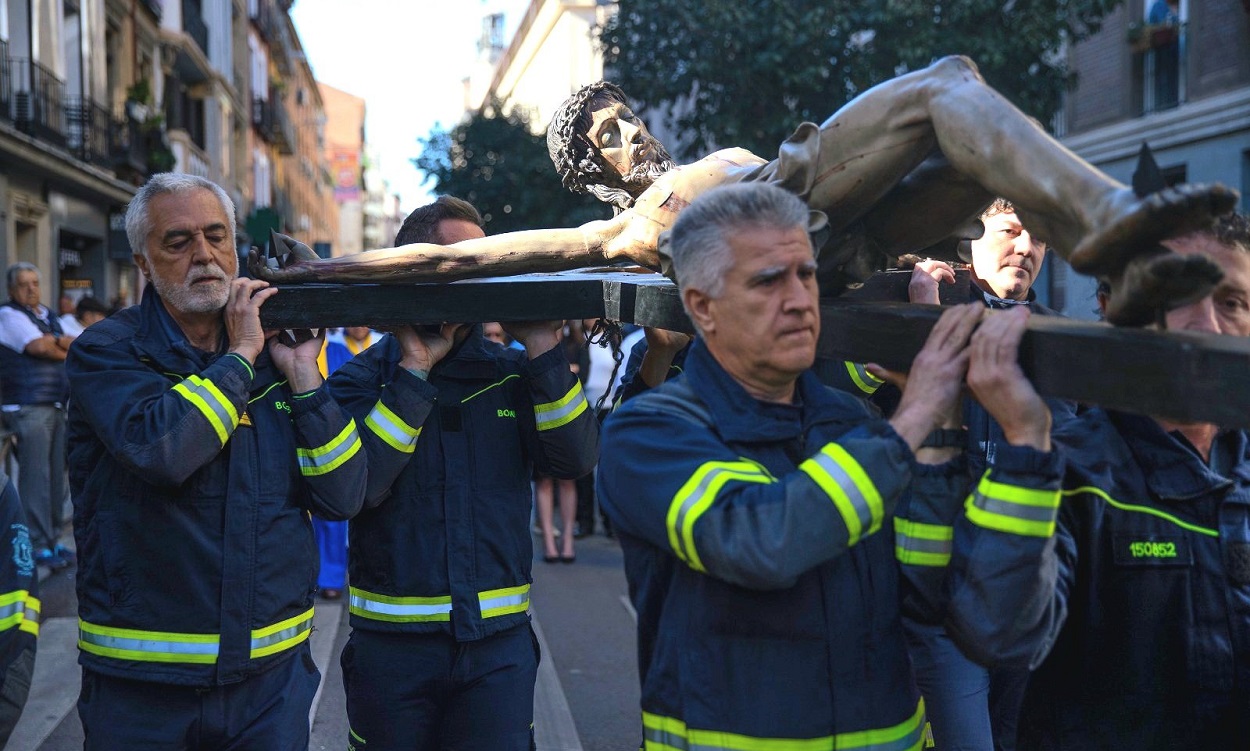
x: 576, y: 166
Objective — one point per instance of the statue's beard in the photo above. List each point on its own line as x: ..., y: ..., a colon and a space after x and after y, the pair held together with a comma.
x: 621, y: 195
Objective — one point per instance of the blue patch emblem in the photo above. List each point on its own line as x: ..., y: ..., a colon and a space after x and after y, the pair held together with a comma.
x: 23, y: 553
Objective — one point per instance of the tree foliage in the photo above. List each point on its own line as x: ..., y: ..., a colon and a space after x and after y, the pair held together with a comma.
x: 493, y: 161
x: 746, y: 72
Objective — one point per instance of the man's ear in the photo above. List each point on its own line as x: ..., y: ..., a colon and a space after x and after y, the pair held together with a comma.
x: 142, y: 262
x: 698, y: 306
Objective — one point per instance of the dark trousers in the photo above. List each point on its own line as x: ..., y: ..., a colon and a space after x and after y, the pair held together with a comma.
x: 267, y: 712
x: 427, y: 692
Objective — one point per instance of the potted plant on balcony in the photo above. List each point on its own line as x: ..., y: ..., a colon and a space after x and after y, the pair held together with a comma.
x: 139, y: 100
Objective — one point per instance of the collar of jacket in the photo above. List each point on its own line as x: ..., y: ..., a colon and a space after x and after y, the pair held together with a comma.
x: 739, y: 416
x: 159, y: 337
x: 469, y: 360
x: 1171, y: 468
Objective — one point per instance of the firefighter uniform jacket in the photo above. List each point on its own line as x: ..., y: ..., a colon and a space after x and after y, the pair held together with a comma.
x: 19, y: 608
x: 1126, y: 586
x: 192, y: 478
x: 761, y: 558
x: 444, y: 543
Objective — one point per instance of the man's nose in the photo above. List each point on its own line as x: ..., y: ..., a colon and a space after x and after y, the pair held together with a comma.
x: 797, y: 297
x: 1198, y: 316
x: 1025, y: 244
x: 200, y: 252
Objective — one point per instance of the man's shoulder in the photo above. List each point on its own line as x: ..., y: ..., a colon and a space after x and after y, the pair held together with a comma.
x: 675, y: 397
x: 121, y: 326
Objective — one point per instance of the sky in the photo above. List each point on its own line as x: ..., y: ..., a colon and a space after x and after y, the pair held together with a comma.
x: 407, y: 60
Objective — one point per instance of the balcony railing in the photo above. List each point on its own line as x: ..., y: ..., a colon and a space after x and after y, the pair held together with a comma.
x: 270, y: 119
x: 6, y: 82
x: 128, y: 146
x: 87, y: 131
x: 193, y: 23
x: 266, y: 21
x: 37, y: 102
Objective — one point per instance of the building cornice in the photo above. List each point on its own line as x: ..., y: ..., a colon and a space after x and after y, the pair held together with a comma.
x: 540, y: 18
x: 1191, y: 122
x: 18, y: 147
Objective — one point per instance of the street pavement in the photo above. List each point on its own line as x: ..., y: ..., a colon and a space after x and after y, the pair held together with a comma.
x: 586, y: 698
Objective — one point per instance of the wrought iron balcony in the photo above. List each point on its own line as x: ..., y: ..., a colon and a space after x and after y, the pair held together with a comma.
x: 270, y: 119
x: 87, y: 127
x: 37, y: 100
x: 128, y: 146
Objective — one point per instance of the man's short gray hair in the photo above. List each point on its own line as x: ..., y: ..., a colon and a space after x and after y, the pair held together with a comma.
x: 17, y: 268
x: 138, y: 220
x: 700, y: 236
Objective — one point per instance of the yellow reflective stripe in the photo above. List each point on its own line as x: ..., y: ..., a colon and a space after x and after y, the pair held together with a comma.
x: 1013, y: 509
x: 694, y: 498
x: 398, y: 609
x: 18, y: 609
x: 213, y: 404
x: 282, y: 635
x: 1142, y: 510
x: 329, y: 457
x: 905, y: 736
x: 864, y: 381
x: 670, y: 734
x: 497, y: 602
x: 391, y: 428
x: 921, y: 544
x: 849, y: 487
x: 147, y: 646
x: 551, y: 415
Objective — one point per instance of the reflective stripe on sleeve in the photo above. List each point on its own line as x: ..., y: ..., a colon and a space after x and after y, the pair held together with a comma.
x: 1013, y: 509
x: 282, y: 635
x: 551, y: 415
x: 497, y: 602
x: 391, y: 428
x: 921, y: 544
x: 849, y: 487
x: 696, y: 495
x: 670, y: 734
x: 19, y: 609
x: 330, y: 456
x: 864, y: 381
x: 213, y: 404
x: 399, y: 609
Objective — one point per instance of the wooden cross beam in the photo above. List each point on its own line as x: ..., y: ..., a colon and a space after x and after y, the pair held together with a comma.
x: 1182, y: 376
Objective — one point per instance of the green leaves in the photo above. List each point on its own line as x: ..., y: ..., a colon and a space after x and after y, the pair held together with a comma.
x: 746, y: 72
x: 493, y: 161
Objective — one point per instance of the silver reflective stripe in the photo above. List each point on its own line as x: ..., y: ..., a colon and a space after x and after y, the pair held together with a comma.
x: 148, y: 645
x: 670, y: 740
x: 348, y: 443
x: 560, y: 415
x: 212, y: 398
x: 1014, y: 510
x: 504, y: 601
x: 388, y: 608
x: 382, y: 421
x: 289, y: 632
x: 12, y: 609
x: 699, y: 491
x: 844, y: 481
x: 922, y: 545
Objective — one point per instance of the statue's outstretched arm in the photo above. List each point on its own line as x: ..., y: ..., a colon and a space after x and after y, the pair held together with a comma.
x: 499, y: 255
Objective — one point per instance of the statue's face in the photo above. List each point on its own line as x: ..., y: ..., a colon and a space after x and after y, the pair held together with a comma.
x: 622, y: 139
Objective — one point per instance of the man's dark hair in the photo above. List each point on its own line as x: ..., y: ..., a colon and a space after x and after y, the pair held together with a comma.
x: 1233, y: 229
x: 90, y: 305
x: 422, y: 224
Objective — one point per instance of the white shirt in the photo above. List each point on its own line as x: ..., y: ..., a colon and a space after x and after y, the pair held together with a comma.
x: 16, y: 328
x: 70, y: 325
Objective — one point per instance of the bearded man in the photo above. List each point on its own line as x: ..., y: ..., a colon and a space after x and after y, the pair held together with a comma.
x: 198, y: 446
x: 898, y: 168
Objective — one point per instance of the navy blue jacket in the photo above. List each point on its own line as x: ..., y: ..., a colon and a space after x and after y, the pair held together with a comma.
x: 192, y: 477
x: 26, y: 379
x: 1126, y: 586
x: 444, y: 543
x: 760, y: 555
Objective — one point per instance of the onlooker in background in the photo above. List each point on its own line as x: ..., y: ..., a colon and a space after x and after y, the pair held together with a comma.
x: 88, y: 311
x: 441, y: 654
x: 34, y: 391
x: 340, y: 347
